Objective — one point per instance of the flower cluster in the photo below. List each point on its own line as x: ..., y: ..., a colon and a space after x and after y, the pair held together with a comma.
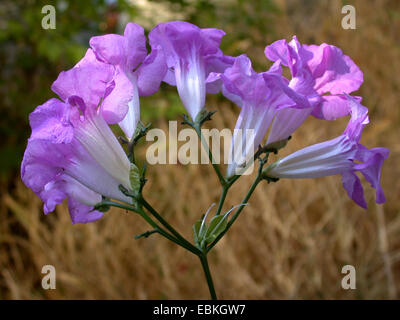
x: 72, y: 152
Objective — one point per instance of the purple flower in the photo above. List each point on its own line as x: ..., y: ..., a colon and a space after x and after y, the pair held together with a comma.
x: 134, y: 73
x: 72, y: 153
x: 300, y: 89
x: 260, y: 96
x: 193, y: 58
x: 332, y: 73
x: 342, y: 155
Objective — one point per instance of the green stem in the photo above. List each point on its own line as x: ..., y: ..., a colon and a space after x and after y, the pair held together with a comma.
x: 182, y: 240
x: 238, y: 211
x: 221, y: 178
x: 225, y: 189
x: 207, y: 273
x: 119, y: 205
x: 156, y: 227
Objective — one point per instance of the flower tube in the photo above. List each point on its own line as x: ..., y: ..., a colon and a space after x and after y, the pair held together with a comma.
x: 192, y: 56
x: 260, y: 96
x: 134, y: 74
x: 72, y: 153
x: 343, y: 155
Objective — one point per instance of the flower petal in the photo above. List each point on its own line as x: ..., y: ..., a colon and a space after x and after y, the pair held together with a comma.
x: 334, y: 72
x: 354, y: 189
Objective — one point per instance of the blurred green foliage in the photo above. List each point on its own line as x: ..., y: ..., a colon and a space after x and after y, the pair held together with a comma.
x: 32, y: 57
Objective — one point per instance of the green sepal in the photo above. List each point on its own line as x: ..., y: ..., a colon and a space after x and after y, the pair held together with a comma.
x: 207, y: 234
x: 217, y: 225
x: 199, y: 233
x: 196, y: 230
x: 203, y: 116
x: 101, y: 207
x: 277, y: 145
x: 134, y: 178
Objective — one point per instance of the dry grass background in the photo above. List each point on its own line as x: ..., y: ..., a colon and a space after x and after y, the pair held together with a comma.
x: 290, y: 242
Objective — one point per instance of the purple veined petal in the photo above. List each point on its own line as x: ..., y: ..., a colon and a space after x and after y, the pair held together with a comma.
x: 116, y: 105
x: 93, y: 81
x: 333, y: 107
x: 126, y: 51
x: 278, y: 51
x: 37, y: 169
x: 214, y: 82
x: 178, y: 38
x: 286, y: 122
x: 49, y: 121
x: 81, y: 213
x: 216, y: 65
x: 352, y: 185
x: 52, y: 194
x: 152, y: 71
x: 334, y: 72
x: 318, y: 160
x: 80, y: 199
x: 358, y: 120
x: 292, y: 55
x: 88, y: 80
x: 301, y: 86
x: 373, y: 158
x: 109, y: 48
x: 298, y: 58
x: 242, y: 81
x: 135, y: 45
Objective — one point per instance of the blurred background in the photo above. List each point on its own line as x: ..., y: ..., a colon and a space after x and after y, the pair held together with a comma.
x: 293, y: 239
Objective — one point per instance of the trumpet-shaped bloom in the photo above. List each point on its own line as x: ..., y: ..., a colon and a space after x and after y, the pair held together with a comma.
x: 330, y: 72
x: 72, y: 153
x: 302, y: 85
x: 134, y: 73
x: 192, y: 56
x: 260, y: 96
x: 342, y: 155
